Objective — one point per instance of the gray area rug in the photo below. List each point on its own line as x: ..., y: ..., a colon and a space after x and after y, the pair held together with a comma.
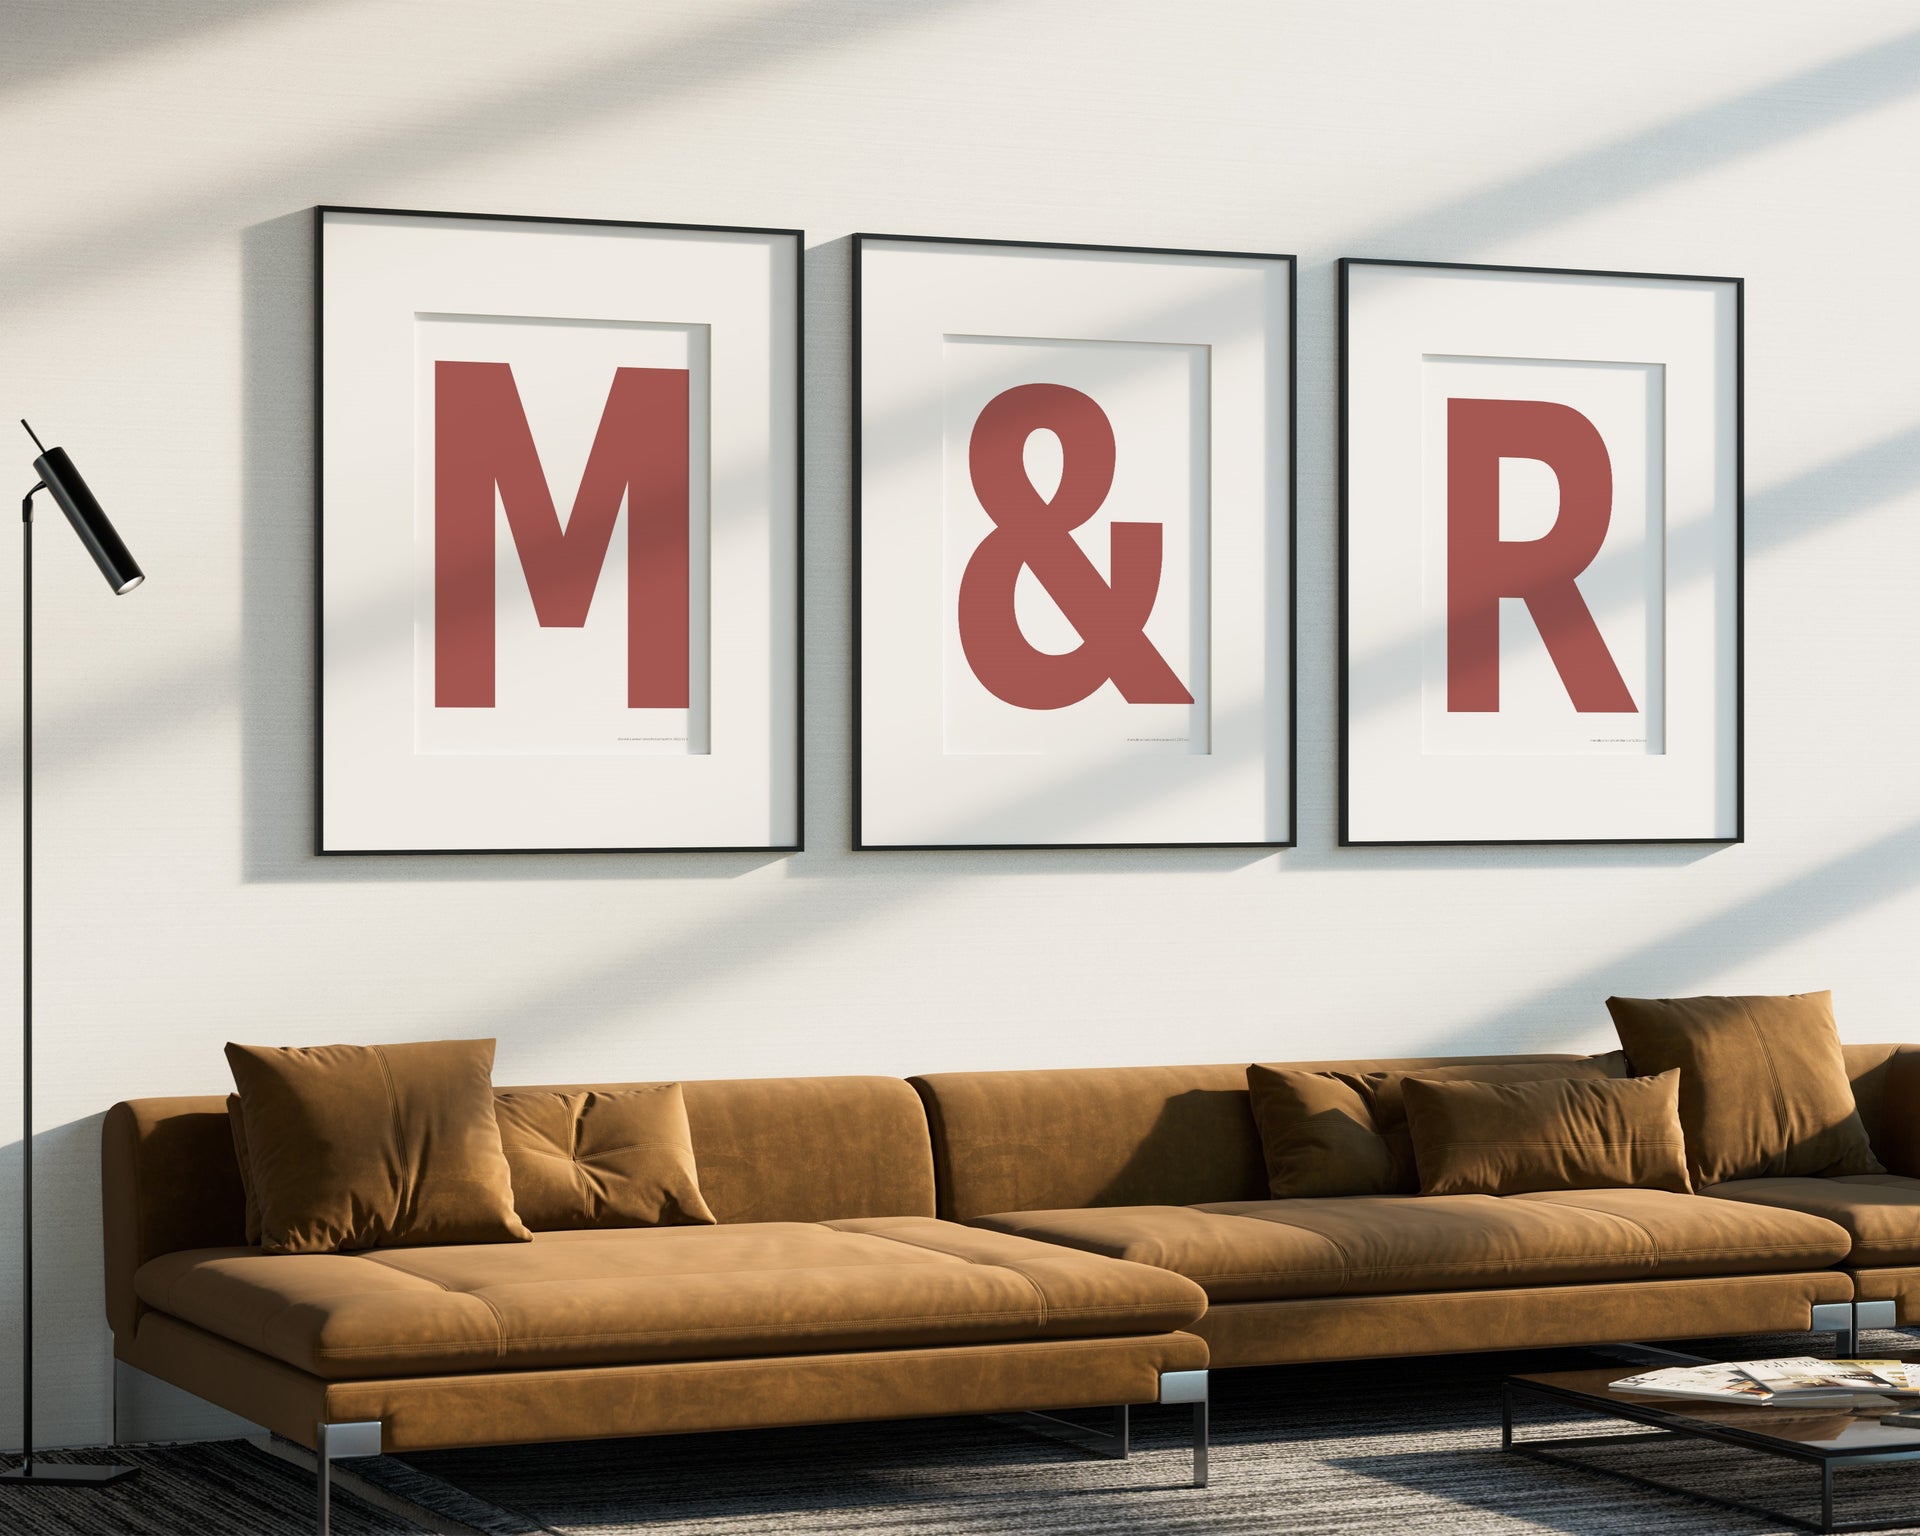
x: 1410, y: 1447
x: 230, y: 1488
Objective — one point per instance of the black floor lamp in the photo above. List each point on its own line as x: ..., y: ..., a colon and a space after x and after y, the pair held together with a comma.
x: 62, y: 480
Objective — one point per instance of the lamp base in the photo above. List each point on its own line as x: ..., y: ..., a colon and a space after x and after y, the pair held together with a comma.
x: 45, y: 1474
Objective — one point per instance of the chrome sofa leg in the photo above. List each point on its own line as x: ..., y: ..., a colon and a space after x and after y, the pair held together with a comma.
x: 333, y: 1442
x: 1836, y: 1318
x: 1874, y: 1314
x: 1190, y: 1387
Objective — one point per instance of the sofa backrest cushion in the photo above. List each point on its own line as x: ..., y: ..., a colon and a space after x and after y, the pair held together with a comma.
x: 1869, y: 1068
x: 1076, y: 1137
x: 810, y: 1148
x: 767, y: 1149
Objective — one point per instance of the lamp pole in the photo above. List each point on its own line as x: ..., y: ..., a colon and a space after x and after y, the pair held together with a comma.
x: 62, y: 481
x: 26, y: 978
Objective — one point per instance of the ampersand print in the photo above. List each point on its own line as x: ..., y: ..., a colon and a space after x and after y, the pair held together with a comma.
x: 1033, y: 532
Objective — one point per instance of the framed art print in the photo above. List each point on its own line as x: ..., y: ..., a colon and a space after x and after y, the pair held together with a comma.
x: 559, y: 534
x: 1074, y: 565
x: 1541, y: 551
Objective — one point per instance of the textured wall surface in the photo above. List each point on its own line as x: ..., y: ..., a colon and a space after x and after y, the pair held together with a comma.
x: 154, y: 312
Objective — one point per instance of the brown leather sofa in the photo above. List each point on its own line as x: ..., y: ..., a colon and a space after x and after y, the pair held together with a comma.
x: 1004, y: 1241
x: 828, y: 1292
x: 1163, y: 1166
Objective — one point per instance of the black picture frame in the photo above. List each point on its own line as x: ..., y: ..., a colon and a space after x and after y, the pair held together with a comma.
x: 1737, y: 286
x: 860, y: 242
x: 320, y: 214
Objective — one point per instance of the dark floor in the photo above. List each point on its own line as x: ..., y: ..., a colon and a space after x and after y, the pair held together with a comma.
x: 1406, y: 1446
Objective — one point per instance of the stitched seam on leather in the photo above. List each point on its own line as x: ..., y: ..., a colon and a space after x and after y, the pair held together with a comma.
x: 1122, y: 1309
x: 751, y: 1363
x: 1089, y: 1309
x: 309, y: 1301
x: 1347, y: 1266
x: 546, y: 1339
x: 267, y: 1324
x: 1773, y: 1071
x: 718, y: 1269
x: 392, y: 1097
x: 1039, y: 1296
x: 1556, y: 1141
x: 1391, y: 1299
x: 499, y: 1325
x: 1656, y: 1256
x: 1660, y: 1283
x: 1498, y: 1264
x: 395, y: 1269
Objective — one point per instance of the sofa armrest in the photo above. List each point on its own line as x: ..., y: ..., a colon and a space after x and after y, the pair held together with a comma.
x: 168, y: 1180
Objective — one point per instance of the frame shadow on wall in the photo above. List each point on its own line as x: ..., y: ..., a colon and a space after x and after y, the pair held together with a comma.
x: 279, y: 660
x: 279, y: 664
x: 832, y: 468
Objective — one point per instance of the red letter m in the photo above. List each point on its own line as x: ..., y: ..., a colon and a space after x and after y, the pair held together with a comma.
x: 481, y: 441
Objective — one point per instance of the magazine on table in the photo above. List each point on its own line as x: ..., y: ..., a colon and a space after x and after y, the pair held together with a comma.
x: 1799, y: 1376
x: 1709, y: 1383
x: 1799, y: 1380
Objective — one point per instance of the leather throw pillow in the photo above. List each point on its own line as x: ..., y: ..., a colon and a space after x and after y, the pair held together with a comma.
x: 1574, y: 1133
x: 381, y: 1146
x: 1317, y: 1131
x: 1344, y: 1132
x: 592, y: 1158
x: 1763, y: 1083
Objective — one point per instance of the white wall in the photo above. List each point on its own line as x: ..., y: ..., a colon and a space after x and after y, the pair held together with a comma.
x: 153, y: 313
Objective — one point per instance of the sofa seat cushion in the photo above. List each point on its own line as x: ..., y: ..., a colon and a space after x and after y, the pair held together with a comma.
x: 1265, y: 1250
x: 1880, y: 1211
x: 634, y: 1295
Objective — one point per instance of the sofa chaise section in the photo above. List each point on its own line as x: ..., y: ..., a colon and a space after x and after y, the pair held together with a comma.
x: 1166, y: 1168
x: 829, y: 1291
x: 639, y: 1295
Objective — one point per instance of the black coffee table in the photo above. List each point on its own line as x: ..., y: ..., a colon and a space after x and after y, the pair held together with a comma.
x: 1828, y: 1438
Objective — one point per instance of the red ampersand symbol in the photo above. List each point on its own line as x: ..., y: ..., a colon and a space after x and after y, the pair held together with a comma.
x: 1036, y: 533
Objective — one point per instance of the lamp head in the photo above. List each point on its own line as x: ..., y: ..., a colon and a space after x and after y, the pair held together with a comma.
x: 122, y: 571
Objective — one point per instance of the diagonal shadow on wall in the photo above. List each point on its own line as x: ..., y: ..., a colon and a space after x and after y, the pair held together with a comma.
x: 1804, y: 904
x: 1736, y: 128
x: 791, y: 921
x: 278, y: 473
x: 49, y: 40
x: 713, y: 57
